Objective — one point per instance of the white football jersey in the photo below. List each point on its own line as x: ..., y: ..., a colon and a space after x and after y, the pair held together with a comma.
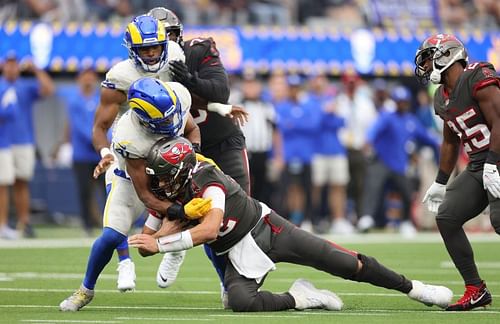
x: 132, y: 140
x: 124, y: 73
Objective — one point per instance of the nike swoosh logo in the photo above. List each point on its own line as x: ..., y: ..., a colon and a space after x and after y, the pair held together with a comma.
x: 163, y: 279
x: 474, y: 301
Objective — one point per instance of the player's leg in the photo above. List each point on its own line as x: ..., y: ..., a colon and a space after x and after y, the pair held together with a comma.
x: 465, y: 198
x: 296, y: 246
x: 126, y: 268
x: 122, y: 205
x: 24, y: 163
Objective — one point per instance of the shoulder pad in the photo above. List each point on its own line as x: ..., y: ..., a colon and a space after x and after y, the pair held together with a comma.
x: 175, y: 52
x: 207, y: 43
x: 121, y: 76
x: 182, y: 94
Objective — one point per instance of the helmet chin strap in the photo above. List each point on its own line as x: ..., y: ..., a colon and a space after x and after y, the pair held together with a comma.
x: 435, y: 76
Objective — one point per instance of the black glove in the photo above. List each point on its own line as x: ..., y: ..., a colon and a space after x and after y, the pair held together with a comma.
x: 196, y: 147
x: 181, y: 74
x: 176, y: 211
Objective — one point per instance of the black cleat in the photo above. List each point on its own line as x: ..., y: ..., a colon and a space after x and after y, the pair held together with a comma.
x: 473, y: 297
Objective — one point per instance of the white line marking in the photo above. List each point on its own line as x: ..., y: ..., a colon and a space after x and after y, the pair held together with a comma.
x: 164, y: 319
x: 67, y: 321
x: 355, y: 239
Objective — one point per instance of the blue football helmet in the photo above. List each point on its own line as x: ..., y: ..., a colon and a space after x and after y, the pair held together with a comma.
x: 145, y: 31
x: 156, y: 105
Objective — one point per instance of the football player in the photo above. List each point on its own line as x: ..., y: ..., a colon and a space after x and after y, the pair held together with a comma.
x: 468, y: 101
x: 253, y: 238
x: 221, y: 138
x: 149, y: 51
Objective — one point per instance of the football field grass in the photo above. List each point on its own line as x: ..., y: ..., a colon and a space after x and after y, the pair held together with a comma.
x: 36, y: 275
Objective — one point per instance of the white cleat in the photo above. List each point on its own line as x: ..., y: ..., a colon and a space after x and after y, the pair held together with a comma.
x: 169, y: 268
x: 79, y: 299
x: 126, y: 275
x: 430, y: 295
x: 307, y: 297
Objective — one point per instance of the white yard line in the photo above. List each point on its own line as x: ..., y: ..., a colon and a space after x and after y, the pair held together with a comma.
x: 354, y: 238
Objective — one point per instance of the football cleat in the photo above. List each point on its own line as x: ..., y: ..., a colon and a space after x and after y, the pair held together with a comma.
x: 169, y: 268
x: 307, y: 297
x: 126, y: 275
x: 430, y: 295
x: 79, y: 299
x: 473, y: 297
x: 224, y: 297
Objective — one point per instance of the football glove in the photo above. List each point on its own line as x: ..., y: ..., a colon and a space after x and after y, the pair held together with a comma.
x: 197, y: 207
x: 491, y: 179
x: 434, y: 196
x: 181, y: 74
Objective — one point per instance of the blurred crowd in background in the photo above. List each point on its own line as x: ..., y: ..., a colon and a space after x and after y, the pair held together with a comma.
x: 334, y: 155
x: 483, y: 14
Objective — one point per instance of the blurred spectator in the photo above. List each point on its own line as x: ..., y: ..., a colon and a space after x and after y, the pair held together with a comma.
x: 81, y: 103
x: 298, y: 122
x: 270, y: 12
x: 110, y: 9
x: 392, y: 138
x: 487, y: 14
x: 329, y: 164
x: 261, y: 137
x: 28, y: 90
x: 402, y: 13
x: 381, y: 98
x: 143, y: 6
x: 8, y: 109
x: 455, y: 13
x: 355, y: 105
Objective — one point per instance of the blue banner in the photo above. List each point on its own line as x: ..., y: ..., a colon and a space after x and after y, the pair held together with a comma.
x: 375, y: 52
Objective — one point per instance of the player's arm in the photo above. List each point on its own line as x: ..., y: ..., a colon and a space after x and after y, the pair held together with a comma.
x: 209, y: 80
x: 448, y: 154
x: 136, y: 168
x: 109, y: 105
x: 192, y: 131
x: 207, y: 230
x: 489, y: 103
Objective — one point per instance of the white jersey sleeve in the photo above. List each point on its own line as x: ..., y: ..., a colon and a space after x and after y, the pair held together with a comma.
x: 122, y: 75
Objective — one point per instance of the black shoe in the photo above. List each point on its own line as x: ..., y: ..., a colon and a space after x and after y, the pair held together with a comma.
x: 473, y: 297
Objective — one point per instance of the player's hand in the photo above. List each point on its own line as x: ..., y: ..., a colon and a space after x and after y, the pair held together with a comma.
x: 491, y: 179
x: 239, y: 115
x: 103, y: 165
x: 197, y: 207
x: 434, y: 196
x: 144, y: 242
x: 181, y: 74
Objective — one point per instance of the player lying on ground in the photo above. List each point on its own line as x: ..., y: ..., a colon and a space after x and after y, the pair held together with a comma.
x: 253, y: 238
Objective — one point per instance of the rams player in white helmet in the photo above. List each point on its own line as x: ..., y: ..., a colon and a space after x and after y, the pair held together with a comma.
x: 149, y: 51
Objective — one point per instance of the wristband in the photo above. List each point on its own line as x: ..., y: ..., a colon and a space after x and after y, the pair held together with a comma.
x: 175, y: 211
x: 442, y: 177
x: 219, y: 108
x: 175, y: 242
x: 105, y: 151
x: 153, y: 222
x: 493, y: 158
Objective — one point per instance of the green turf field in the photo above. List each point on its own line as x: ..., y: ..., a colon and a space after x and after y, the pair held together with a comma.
x: 34, y: 281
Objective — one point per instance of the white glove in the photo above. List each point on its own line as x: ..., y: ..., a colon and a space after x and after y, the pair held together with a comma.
x: 434, y: 196
x: 491, y: 179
